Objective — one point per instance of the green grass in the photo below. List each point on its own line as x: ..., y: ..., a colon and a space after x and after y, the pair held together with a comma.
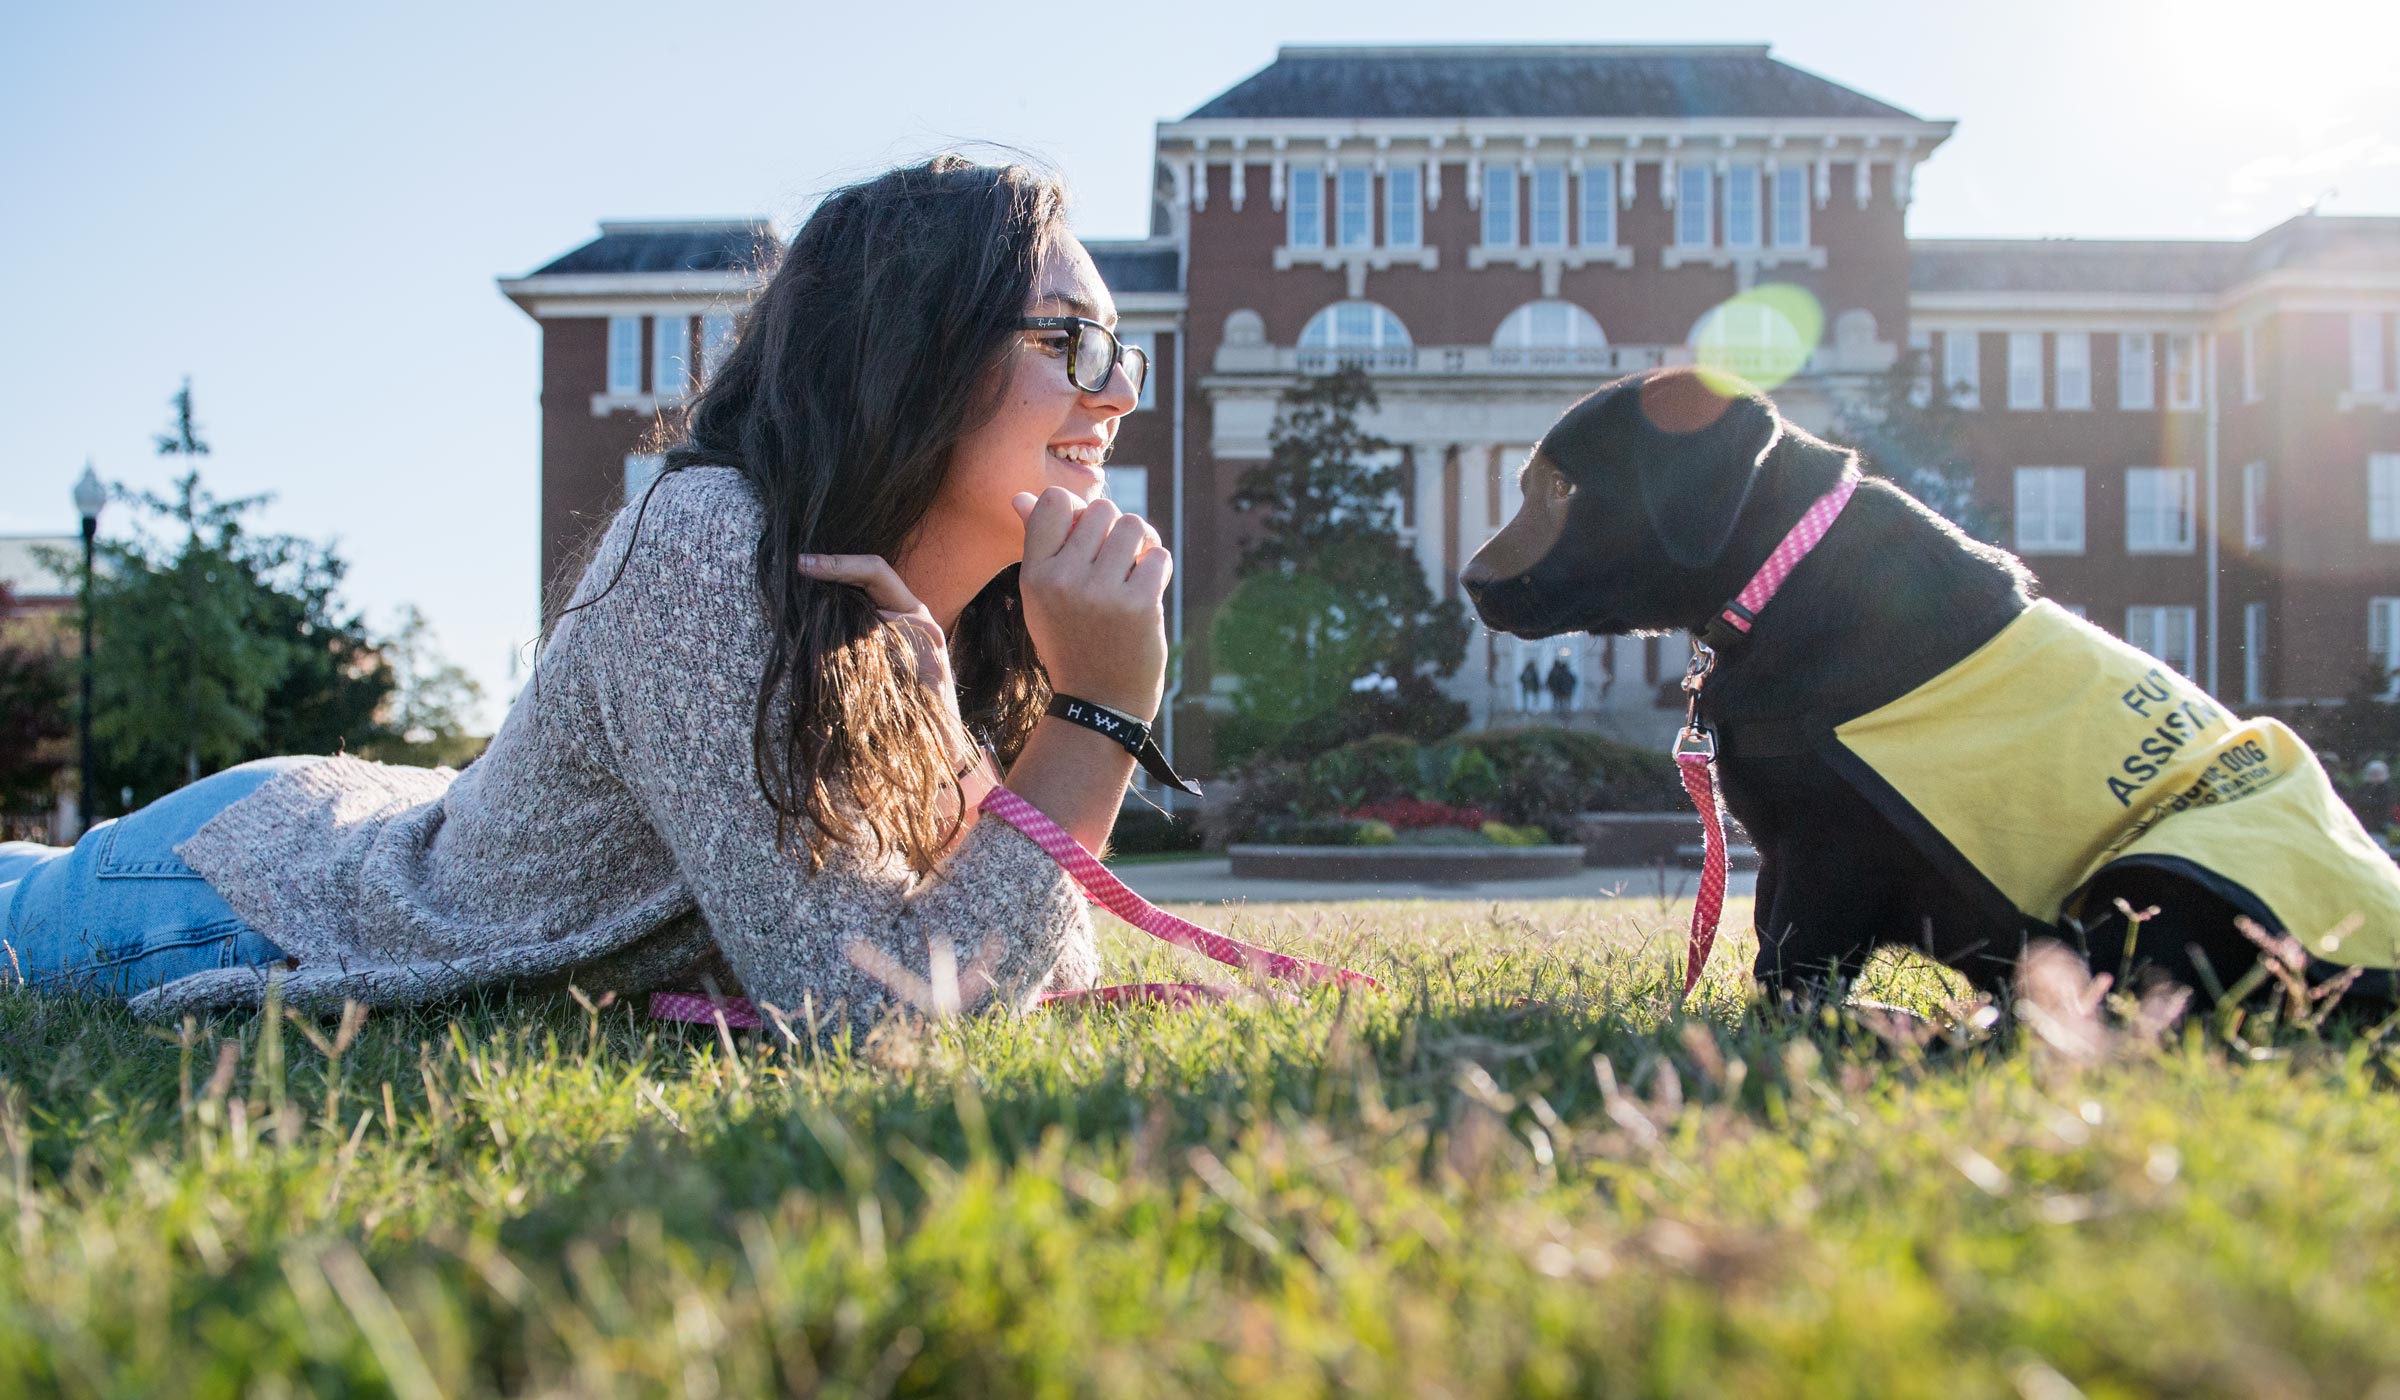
x: 1432, y: 1190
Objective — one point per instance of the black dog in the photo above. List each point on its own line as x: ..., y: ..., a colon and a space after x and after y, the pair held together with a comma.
x: 1652, y: 503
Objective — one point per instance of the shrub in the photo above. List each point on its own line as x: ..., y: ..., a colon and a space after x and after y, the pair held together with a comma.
x: 1502, y: 834
x: 1144, y: 831
x: 1524, y: 778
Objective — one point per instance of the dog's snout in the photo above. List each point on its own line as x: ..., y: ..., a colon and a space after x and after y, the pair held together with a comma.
x: 1476, y: 577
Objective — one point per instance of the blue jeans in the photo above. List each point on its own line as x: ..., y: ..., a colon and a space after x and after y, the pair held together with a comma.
x: 118, y: 913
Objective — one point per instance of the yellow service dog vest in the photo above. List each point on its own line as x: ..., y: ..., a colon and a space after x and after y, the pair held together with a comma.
x: 2056, y: 751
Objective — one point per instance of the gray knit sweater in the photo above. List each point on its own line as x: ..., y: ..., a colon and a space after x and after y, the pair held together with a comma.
x: 614, y: 833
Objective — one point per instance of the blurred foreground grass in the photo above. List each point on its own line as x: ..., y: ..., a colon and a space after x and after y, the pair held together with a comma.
x: 1438, y: 1189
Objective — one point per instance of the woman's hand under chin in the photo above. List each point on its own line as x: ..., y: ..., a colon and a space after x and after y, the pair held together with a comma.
x: 1094, y: 585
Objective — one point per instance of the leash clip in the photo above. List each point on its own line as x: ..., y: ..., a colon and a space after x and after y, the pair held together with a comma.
x: 1695, y: 675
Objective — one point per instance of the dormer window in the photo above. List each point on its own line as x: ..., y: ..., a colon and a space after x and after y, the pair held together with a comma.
x: 1354, y: 187
x: 1500, y: 206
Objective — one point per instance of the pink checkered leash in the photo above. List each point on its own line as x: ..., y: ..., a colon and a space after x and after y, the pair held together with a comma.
x: 1104, y: 889
x: 1696, y: 747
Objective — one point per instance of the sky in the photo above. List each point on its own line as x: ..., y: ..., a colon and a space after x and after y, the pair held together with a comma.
x: 304, y: 208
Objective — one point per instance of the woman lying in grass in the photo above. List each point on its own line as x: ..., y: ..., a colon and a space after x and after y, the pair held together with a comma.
x: 749, y: 751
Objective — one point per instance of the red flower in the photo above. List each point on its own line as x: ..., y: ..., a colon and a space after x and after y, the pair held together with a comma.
x: 1416, y: 814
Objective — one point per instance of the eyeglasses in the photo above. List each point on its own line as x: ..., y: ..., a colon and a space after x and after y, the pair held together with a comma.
x: 1093, y: 352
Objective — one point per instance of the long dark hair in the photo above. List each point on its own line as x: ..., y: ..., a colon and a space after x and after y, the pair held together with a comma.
x: 875, y: 348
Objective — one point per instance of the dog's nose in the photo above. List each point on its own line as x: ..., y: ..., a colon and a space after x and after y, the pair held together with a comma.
x: 1476, y: 577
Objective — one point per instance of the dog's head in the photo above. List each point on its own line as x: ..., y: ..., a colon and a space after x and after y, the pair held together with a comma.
x: 1630, y: 502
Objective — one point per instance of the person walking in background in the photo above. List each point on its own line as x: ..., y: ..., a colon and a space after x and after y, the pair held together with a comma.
x: 1529, y: 687
x: 1562, y: 684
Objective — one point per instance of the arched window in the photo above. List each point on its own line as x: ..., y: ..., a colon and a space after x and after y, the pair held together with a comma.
x: 1355, y: 333
x: 1760, y: 338
x: 1549, y: 335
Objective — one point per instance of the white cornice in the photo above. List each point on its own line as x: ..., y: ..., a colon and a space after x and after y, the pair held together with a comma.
x: 1991, y: 308
x: 611, y: 296
x: 554, y: 292
x: 1209, y: 138
x: 2317, y: 284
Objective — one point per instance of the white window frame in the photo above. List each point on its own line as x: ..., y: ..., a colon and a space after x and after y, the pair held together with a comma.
x: 2160, y: 506
x: 1304, y: 208
x: 2137, y: 372
x: 2165, y: 629
x: 1403, y: 204
x: 1129, y: 486
x: 1599, y: 191
x: 2383, y: 497
x: 1742, y: 206
x: 2254, y: 506
x: 670, y: 357
x: 2183, y: 371
x: 2383, y: 641
x: 2025, y: 369
x: 2071, y: 369
x: 1695, y: 206
x: 1354, y: 207
x: 2366, y: 352
x: 1789, y: 200
x: 1147, y: 343
x: 1920, y: 385
x: 624, y: 357
x: 1546, y: 202
x: 1500, y: 205
x: 1962, y: 368
x: 2254, y: 653
x: 642, y: 468
x: 717, y: 335
x: 2050, y: 510
x: 2250, y: 392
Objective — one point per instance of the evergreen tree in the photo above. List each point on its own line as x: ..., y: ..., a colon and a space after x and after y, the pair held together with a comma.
x: 215, y: 645
x: 1911, y: 435
x: 428, y: 718
x: 35, y: 717
x: 1332, y: 630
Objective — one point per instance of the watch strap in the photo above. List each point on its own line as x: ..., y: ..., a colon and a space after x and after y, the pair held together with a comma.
x: 1129, y: 732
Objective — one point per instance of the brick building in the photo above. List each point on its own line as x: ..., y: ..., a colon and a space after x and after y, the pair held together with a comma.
x: 2195, y: 442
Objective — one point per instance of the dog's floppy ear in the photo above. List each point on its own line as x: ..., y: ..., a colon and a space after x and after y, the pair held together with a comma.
x: 1700, y: 452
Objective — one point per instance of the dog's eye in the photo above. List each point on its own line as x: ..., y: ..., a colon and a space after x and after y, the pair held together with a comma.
x: 1560, y: 487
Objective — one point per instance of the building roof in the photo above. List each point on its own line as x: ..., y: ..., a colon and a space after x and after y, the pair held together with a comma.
x: 2069, y: 265
x: 1136, y: 265
x: 27, y: 577
x: 2318, y: 242
x: 1548, y: 80
x: 704, y: 245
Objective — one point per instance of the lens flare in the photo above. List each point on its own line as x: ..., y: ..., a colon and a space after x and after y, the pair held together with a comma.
x: 1761, y: 337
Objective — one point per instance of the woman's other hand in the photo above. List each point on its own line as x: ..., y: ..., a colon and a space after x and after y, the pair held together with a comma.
x: 897, y: 606
x: 1094, y: 585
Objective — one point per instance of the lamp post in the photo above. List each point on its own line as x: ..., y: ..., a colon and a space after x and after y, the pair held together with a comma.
x: 90, y: 495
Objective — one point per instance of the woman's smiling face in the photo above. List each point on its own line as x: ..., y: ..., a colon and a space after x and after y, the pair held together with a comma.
x: 1045, y: 432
